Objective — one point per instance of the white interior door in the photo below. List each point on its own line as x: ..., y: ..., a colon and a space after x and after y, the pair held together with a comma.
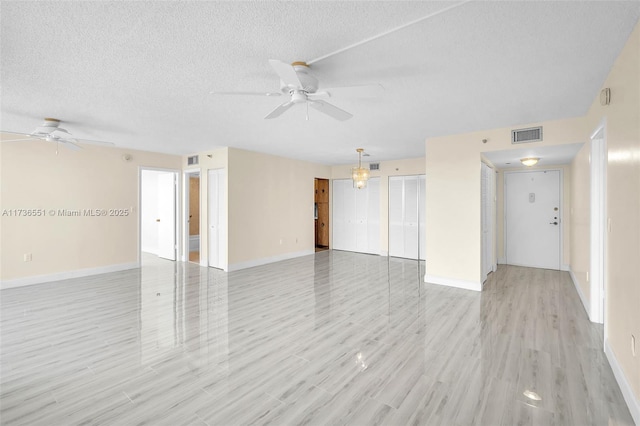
x: 167, y: 215
x: 356, y: 216
x: 406, y: 217
x: 216, y: 219
x: 532, y: 218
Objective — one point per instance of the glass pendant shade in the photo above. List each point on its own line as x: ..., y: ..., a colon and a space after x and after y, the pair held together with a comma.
x: 359, y: 174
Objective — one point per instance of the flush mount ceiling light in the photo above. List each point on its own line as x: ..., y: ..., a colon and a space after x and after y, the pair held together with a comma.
x: 529, y: 161
x: 359, y: 175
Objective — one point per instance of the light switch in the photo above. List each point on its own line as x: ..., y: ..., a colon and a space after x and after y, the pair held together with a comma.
x: 532, y: 197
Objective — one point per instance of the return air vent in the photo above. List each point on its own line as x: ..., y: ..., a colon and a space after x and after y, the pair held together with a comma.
x: 374, y: 166
x: 532, y: 134
x: 192, y: 161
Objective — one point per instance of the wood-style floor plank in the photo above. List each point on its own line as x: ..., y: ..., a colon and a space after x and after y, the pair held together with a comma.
x: 331, y: 338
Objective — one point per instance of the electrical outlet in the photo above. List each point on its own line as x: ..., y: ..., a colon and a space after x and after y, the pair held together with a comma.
x: 280, y: 241
x: 587, y: 276
x: 28, y: 257
x: 633, y: 345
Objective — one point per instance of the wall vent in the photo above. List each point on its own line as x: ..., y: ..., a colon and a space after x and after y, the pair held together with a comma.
x: 374, y: 166
x: 532, y: 134
x: 192, y: 161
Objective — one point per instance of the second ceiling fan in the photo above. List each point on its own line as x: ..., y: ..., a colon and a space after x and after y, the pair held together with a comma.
x: 297, y: 81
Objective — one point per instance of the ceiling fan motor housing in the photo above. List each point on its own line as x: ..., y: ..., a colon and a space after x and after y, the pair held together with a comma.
x: 309, y: 81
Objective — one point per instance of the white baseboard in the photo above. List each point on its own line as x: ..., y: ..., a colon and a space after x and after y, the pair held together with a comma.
x: 565, y: 268
x: 583, y: 298
x: 384, y: 253
x: 627, y: 391
x: 267, y: 260
x: 78, y: 273
x: 453, y: 282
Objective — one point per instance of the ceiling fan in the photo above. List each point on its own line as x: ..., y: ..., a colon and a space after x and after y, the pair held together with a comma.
x: 51, y: 131
x: 301, y: 86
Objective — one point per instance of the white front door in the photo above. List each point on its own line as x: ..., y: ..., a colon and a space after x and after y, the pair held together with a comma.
x: 216, y: 219
x: 532, y: 218
x: 167, y: 215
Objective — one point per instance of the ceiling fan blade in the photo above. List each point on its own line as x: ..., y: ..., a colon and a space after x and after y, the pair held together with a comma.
x: 330, y: 110
x: 365, y: 91
x: 72, y: 146
x: 247, y: 93
x: 279, y: 110
x: 286, y: 73
x: 60, y: 129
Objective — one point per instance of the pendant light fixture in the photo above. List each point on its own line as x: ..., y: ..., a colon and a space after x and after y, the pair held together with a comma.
x: 359, y: 175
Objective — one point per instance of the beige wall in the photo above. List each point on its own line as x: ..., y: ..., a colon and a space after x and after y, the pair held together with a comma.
x: 407, y: 167
x: 580, y: 219
x: 622, y: 268
x: 270, y: 207
x: 453, y: 195
x: 566, y: 211
x: 34, y: 177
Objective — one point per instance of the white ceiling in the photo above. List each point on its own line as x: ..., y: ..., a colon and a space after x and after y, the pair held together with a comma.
x: 139, y: 73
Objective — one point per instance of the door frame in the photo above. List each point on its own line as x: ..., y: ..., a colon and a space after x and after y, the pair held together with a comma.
x: 598, y: 226
x: 562, y: 266
x: 177, y: 229
x: 186, y: 174
x: 223, y: 222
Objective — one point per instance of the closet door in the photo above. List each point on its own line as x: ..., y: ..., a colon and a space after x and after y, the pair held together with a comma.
x: 356, y: 216
x: 406, y: 217
x: 487, y: 189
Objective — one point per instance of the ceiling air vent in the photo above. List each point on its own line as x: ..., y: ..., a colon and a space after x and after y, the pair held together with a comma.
x: 192, y: 161
x: 532, y: 134
x: 374, y: 166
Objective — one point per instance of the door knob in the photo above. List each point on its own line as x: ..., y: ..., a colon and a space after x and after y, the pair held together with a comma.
x: 553, y: 223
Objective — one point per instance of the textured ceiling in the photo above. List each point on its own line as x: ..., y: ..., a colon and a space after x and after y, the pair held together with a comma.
x: 139, y: 73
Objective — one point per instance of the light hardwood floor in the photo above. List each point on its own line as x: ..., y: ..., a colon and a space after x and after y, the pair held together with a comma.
x: 331, y: 338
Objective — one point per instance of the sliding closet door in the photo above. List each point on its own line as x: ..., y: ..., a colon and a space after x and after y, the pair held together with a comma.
x: 406, y: 217
x: 356, y: 216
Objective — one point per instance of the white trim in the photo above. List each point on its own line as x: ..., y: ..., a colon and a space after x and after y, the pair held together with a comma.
x: 564, y: 267
x: 453, y: 282
x: 627, y: 391
x: 502, y: 261
x: 583, y: 298
x: 267, y: 260
x: 386, y: 253
x: 78, y: 273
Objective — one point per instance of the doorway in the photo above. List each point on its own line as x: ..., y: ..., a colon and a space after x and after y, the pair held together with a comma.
x: 532, y: 218
x: 321, y: 213
x: 192, y: 215
x: 158, y: 191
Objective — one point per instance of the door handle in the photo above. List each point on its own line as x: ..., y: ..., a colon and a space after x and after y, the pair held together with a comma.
x: 553, y: 223
x: 157, y: 220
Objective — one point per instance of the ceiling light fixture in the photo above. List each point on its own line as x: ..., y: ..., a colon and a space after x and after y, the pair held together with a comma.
x: 359, y: 175
x: 529, y: 161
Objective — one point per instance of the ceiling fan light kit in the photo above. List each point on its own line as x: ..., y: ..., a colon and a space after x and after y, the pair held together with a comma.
x: 529, y: 161
x: 359, y: 175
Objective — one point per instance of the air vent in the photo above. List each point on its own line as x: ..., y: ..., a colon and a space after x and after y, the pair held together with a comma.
x: 532, y: 134
x: 374, y: 166
x: 192, y: 161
